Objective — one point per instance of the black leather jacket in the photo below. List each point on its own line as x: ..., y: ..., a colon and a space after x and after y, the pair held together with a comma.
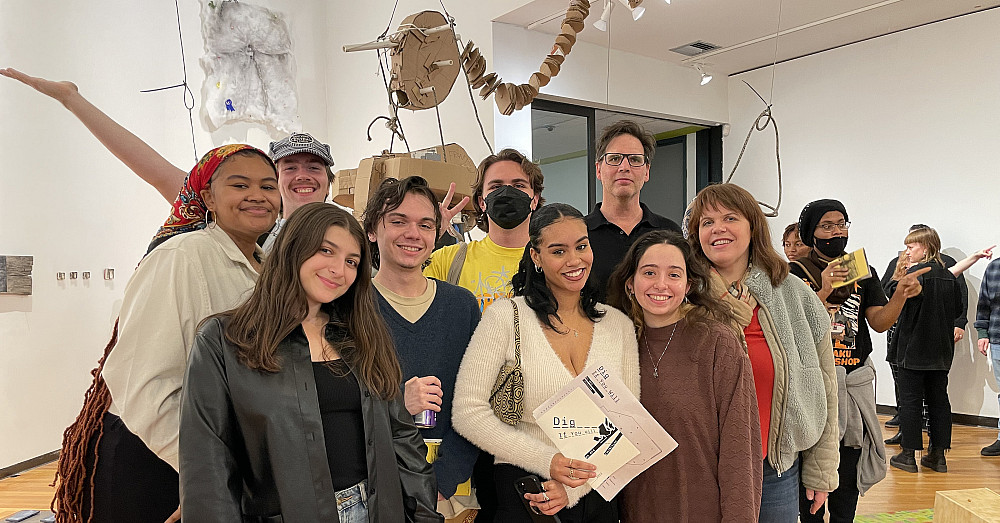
x: 924, y: 338
x: 252, y: 447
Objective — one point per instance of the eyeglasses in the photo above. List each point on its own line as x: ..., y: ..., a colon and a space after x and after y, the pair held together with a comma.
x: 828, y: 227
x: 615, y: 159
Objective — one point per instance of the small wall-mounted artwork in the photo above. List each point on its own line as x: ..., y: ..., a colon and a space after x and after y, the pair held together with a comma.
x: 15, y: 274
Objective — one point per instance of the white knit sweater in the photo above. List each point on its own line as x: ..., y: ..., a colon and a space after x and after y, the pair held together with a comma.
x: 492, y: 346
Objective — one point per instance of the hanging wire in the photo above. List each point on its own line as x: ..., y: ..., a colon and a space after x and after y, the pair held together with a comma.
x: 472, y: 97
x: 189, y: 101
x: 437, y: 111
x: 389, y: 25
x: 607, y: 79
x: 764, y: 119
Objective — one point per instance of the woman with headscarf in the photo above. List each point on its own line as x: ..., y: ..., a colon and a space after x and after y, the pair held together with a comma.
x: 119, y: 458
x: 787, y: 332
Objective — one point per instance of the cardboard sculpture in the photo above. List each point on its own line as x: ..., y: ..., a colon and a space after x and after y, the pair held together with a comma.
x: 424, y: 62
x: 439, y: 166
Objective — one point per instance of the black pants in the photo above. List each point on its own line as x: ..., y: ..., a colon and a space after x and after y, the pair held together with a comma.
x: 843, y: 502
x: 486, y: 491
x: 916, y: 386
x: 591, y: 509
x: 130, y: 482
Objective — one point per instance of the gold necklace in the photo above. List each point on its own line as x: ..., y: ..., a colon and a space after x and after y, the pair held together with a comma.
x: 656, y: 364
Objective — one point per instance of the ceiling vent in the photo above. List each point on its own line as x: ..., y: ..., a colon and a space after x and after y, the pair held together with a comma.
x: 695, y: 48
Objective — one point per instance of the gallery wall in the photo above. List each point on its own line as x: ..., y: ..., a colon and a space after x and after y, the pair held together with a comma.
x: 902, y: 129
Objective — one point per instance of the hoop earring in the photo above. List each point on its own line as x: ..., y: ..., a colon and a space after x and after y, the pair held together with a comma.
x: 538, y: 269
x: 209, y: 219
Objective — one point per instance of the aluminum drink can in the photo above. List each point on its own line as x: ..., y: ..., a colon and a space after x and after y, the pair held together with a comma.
x: 425, y: 420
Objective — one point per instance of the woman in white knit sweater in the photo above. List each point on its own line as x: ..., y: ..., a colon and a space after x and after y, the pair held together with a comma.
x: 563, y: 330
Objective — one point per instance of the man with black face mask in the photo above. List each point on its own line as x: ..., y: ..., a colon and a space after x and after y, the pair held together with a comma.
x: 823, y: 226
x: 507, y: 190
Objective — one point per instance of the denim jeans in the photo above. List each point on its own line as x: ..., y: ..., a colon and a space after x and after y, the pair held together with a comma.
x: 352, y: 503
x: 995, y: 355
x: 779, y: 501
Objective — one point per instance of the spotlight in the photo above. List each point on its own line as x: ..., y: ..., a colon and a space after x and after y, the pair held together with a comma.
x: 705, y: 77
x: 637, y: 11
x: 602, y: 24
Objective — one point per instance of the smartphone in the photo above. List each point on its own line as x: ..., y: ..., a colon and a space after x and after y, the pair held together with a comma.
x: 21, y: 515
x: 532, y: 485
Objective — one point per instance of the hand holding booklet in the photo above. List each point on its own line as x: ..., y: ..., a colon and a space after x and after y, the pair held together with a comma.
x: 857, y: 267
x: 595, y: 418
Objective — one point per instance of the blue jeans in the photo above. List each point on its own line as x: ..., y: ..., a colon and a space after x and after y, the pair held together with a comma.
x: 352, y: 503
x: 995, y: 355
x: 779, y: 501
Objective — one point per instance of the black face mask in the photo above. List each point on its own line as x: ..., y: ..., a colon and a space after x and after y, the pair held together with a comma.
x: 508, y: 207
x: 832, y: 247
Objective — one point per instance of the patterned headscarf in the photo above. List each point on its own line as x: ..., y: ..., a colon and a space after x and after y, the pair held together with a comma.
x: 188, y: 212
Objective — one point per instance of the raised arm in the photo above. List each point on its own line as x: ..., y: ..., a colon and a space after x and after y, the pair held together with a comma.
x: 136, y: 154
x: 971, y: 260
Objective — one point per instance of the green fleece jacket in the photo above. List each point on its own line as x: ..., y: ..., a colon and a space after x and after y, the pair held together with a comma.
x: 804, y: 403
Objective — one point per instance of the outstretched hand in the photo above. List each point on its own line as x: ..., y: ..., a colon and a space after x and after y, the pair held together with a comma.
x: 58, y: 90
x: 984, y: 253
x: 447, y: 211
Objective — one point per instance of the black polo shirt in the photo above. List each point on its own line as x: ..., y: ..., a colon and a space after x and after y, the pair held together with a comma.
x: 610, y: 243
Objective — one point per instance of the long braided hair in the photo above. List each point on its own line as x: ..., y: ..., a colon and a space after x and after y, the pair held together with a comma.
x: 73, y: 480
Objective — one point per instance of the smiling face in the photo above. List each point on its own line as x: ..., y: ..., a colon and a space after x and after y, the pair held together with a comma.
x: 724, y: 235
x: 622, y: 181
x: 328, y: 274
x: 303, y: 179
x: 564, y: 255
x: 794, y: 248
x: 660, y: 284
x: 406, y: 234
x: 243, y: 196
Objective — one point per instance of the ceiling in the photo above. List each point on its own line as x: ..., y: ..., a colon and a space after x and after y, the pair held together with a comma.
x: 745, y: 29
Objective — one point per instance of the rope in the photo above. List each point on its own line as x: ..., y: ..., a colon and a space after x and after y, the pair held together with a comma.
x: 767, y: 118
x: 189, y: 101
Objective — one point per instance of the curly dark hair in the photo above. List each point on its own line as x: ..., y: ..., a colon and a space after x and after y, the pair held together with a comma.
x: 706, y: 306
x: 387, y: 198
x: 531, y: 284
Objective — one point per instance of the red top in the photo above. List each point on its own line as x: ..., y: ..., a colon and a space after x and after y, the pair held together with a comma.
x: 763, y: 374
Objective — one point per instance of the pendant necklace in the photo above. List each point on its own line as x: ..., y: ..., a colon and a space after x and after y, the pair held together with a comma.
x: 656, y: 364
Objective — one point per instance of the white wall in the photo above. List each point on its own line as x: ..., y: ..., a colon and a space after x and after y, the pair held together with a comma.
x: 902, y: 129
x: 73, y: 206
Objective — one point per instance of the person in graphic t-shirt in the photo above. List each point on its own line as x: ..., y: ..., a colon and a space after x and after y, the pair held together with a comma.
x: 823, y: 226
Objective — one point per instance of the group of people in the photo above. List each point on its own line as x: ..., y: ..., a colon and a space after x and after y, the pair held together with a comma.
x: 259, y: 371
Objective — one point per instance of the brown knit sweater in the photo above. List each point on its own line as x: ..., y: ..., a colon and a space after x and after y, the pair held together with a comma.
x: 704, y: 397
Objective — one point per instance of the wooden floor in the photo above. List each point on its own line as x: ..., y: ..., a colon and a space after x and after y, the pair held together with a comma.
x: 898, y: 491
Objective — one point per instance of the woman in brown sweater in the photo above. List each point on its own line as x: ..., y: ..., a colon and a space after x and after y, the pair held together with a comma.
x: 696, y: 381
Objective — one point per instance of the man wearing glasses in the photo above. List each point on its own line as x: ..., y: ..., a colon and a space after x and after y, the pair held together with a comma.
x: 624, y: 151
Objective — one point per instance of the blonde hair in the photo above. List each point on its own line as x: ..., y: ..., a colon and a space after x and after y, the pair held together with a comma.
x: 931, y: 242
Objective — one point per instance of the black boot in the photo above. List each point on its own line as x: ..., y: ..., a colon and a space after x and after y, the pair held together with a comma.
x: 895, y: 440
x: 894, y: 422
x: 934, y: 460
x: 992, y: 449
x: 904, y: 461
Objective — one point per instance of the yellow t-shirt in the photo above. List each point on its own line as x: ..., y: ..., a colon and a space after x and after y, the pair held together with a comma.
x: 486, y: 272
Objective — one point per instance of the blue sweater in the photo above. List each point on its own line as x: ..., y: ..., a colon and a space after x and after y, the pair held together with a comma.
x: 434, y: 346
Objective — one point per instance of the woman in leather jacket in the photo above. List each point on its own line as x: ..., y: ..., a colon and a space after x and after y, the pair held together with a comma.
x: 291, y: 410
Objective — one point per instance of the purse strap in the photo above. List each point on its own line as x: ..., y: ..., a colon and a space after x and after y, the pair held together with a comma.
x: 517, y: 337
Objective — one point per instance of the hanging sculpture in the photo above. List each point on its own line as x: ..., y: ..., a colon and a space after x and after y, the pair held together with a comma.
x: 249, y: 66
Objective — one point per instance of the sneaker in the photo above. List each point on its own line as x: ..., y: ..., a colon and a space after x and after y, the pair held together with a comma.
x: 934, y: 460
x: 904, y: 461
x: 895, y: 440
x: 894, y: 422
x: 991, y: 450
